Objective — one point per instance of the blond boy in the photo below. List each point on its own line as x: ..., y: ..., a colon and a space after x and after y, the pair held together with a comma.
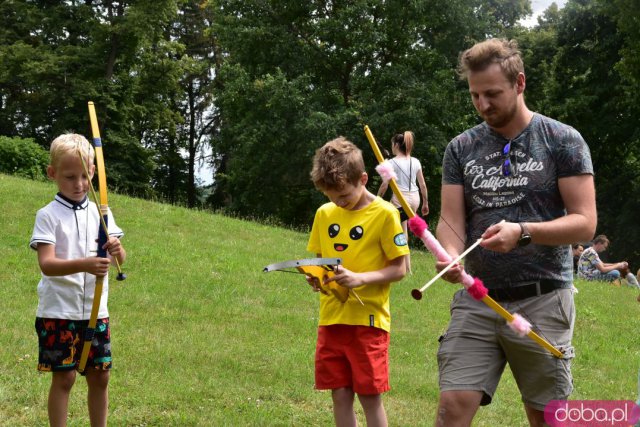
x: 65, y: 236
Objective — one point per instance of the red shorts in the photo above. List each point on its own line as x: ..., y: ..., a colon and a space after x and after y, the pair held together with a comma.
x: 352, y: 356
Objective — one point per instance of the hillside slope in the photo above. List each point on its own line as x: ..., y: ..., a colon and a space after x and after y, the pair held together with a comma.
x: 201, y: 336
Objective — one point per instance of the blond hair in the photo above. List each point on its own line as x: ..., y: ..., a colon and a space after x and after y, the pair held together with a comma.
x: 493, y: 51
x: 404, y: 141
x: 70, y: 143
x: 337, y: 163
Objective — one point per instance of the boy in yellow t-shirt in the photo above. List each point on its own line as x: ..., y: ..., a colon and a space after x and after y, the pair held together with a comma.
x: 365, y: 232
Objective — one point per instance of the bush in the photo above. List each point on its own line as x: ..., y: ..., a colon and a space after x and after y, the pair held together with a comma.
x: 23, y: 157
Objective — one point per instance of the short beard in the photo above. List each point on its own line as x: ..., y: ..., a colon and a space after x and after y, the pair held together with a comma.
x: 502, y: 120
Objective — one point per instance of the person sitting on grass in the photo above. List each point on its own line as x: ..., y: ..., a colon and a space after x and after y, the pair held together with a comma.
x: 352, y: 350
x: 577, y: 250
x: 629, y: 277
x: 590, y: 267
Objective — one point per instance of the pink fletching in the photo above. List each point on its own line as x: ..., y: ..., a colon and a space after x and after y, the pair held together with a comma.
x: 385, y: 170
x: 477, y: 290
x: 520, y: 325
x: 417, y: 225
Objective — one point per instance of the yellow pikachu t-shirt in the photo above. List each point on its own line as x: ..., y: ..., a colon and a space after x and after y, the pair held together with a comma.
x: 366, y: 240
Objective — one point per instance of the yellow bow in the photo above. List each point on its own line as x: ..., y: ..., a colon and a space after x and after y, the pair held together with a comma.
x: 103, y: 234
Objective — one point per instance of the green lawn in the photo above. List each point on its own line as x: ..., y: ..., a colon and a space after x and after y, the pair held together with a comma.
x: 202, y: 337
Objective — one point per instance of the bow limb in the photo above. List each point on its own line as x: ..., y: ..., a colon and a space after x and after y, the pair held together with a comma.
x: 511, y: 319
x: 102, y: 182
x: 392, y: 182
x: 302, y: 262
x: 103, y: 235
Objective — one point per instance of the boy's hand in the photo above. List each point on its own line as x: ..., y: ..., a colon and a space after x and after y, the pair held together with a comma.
x: 315, y: 284
x: 97, y: 266
x: 346, y: 278
x: 113, y: 246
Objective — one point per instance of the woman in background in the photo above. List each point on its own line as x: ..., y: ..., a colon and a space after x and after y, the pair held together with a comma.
x: 410, y: 180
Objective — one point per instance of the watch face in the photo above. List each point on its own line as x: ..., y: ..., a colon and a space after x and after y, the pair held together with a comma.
x: 524, y: 240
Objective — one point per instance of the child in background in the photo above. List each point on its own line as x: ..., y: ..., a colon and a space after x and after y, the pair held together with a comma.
x: 365, y: 232
x: 65, y: 236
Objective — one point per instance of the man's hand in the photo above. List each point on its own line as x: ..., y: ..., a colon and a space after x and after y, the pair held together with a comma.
x: 454, y: 275
x: 501, y: 237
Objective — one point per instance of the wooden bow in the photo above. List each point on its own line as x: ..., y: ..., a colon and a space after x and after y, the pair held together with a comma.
x: 477, y: 289
x: 103, y: 235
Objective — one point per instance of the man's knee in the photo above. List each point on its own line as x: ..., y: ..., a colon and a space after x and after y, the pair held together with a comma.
x: 457, y: 408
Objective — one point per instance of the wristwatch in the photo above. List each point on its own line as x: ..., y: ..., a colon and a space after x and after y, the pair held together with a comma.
x: 525, y: 237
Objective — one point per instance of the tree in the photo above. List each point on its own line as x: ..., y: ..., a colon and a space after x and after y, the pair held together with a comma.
x: 299, y: 73
x: 588, y: 92
x: 56, y: 56
x: 198, y: 63
x: 265, y: 82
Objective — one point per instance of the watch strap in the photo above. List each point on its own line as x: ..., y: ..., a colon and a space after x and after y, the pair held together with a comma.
x: 525, y: 236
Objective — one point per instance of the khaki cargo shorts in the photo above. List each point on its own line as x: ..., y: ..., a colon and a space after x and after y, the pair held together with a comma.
x: 478, y: 344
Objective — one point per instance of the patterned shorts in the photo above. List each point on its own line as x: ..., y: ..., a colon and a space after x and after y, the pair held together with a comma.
x: 60, y: 344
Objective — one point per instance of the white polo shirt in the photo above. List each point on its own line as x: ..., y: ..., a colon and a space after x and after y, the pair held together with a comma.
x: 73, y: 229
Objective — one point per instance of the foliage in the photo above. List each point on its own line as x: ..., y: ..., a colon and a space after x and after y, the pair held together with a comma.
x: 539, y: 48
x: 23, y: 157
x: 201, y: 336
x: 263, y: 84
x: 588, y: 88
x: 298, y: 74
x: 180, y: 140
x: 56, y: 56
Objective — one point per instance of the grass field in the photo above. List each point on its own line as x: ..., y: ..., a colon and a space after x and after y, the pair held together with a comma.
x: 201, y: 337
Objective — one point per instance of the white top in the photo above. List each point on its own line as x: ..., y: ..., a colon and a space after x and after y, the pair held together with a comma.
x: 406, y: 169
x: 73, y: 229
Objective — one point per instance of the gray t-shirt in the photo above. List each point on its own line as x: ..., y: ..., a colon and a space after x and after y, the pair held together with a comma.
x: 545, y: 151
